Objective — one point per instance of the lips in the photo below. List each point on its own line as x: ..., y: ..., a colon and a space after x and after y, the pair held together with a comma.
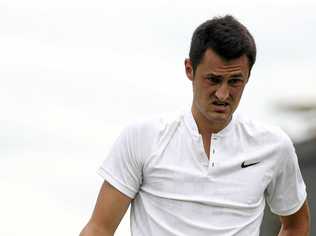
x: 218, y: 103
x: 220, y: 107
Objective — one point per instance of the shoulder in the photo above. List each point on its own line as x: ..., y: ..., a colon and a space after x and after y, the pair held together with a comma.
x: 261, y: 132
x: 154, y: 125
x: 146, y: 133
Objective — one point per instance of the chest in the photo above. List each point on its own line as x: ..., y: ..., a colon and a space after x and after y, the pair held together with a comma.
x: 232, y: 175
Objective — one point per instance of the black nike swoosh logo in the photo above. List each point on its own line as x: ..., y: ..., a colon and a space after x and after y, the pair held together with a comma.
x: 244, y: 165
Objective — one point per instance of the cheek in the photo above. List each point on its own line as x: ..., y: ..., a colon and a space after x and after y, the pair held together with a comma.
x: 201, y: 89
x: 237, y: 92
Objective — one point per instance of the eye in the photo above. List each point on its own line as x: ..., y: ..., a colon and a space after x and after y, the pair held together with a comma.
x: 235, y: 82
x: 214, y: 79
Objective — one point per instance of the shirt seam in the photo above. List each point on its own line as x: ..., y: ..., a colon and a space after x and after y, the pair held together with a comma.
x: 293, y: 209
x: 125, y: 189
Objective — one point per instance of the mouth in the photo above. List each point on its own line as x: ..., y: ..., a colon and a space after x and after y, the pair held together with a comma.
x: 218, y: 103
x: 220, y: 107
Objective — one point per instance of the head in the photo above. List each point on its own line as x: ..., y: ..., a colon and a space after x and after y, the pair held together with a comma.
x: 226, y: 37
x: 222, y: 54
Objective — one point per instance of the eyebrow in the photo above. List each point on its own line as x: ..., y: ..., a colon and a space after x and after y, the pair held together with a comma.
x: 238, y: 75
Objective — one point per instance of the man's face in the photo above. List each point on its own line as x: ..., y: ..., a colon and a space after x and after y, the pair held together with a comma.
x: 217, y: 86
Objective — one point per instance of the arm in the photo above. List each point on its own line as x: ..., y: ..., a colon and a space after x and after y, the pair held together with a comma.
x: 109, y: 210
x: 297, y: 223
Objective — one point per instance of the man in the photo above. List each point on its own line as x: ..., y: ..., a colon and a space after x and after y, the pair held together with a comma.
x: 207, y: 171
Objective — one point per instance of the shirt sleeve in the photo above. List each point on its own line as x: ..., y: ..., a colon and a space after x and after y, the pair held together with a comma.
x: 122, y: 168
x: 286, y: 192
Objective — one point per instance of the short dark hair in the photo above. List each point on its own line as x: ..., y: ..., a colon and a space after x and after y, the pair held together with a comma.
x: 226, y: 36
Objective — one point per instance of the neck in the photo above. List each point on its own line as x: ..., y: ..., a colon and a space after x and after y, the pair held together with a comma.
x: 205, y: 126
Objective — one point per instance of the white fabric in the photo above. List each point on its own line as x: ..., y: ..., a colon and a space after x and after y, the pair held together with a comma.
x: 177, y: 191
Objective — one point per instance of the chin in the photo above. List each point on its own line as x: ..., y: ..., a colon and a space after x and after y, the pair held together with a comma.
x: 221, y: 118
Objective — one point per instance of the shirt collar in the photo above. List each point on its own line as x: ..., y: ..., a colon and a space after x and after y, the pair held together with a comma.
x: 192, y: 126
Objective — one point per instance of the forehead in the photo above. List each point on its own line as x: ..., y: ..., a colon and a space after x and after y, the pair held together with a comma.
x: 213, y: 63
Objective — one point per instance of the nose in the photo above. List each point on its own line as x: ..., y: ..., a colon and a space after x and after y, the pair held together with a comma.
x: 222, y: 92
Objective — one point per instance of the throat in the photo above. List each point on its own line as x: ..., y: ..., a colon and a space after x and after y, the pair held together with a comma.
x: 207, y: 145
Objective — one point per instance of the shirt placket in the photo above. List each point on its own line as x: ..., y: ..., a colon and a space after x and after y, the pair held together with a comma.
x: 213, y: 144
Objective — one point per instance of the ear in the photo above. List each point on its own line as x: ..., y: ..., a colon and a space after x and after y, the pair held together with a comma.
x: 188, y: 69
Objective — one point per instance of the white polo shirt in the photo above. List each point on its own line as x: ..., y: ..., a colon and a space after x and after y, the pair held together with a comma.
x: 177, y: 191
